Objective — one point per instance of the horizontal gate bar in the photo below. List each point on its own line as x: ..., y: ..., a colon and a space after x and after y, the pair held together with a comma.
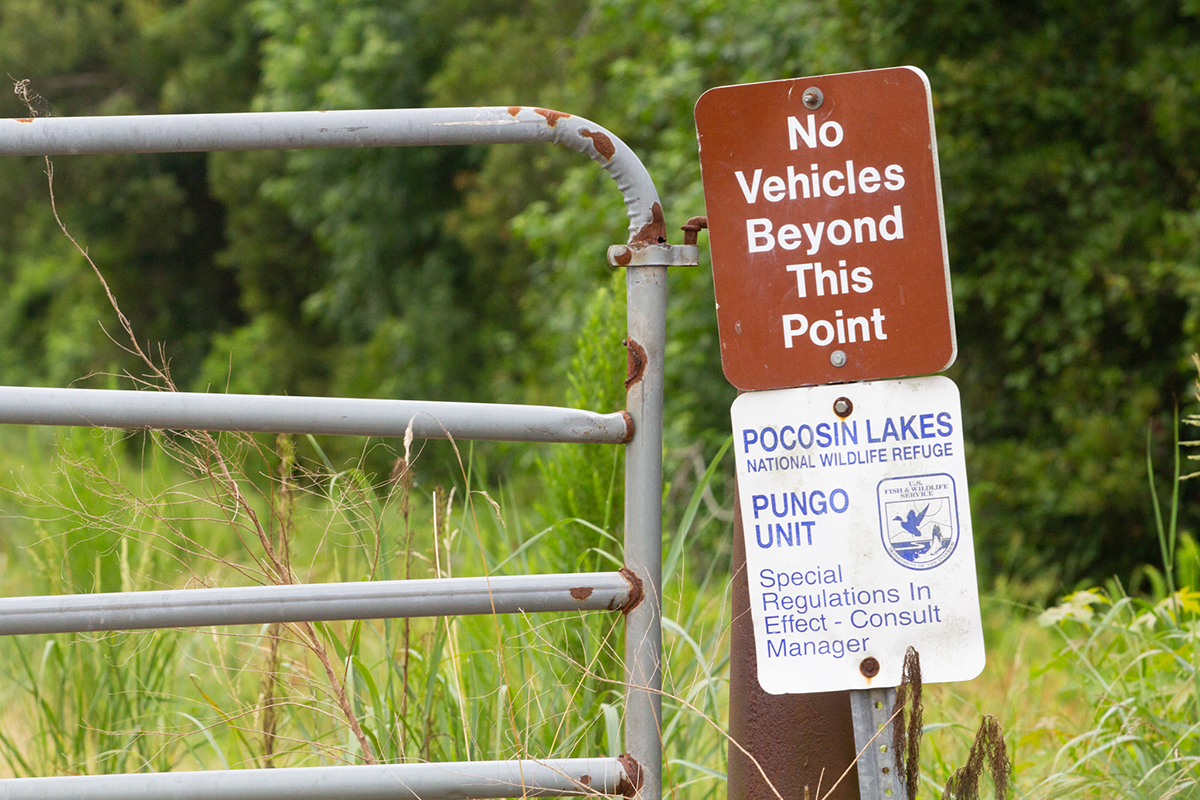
x: 106, y: 408
x: 398, y: 127
x: 456, y: 781
x: 316, y: 602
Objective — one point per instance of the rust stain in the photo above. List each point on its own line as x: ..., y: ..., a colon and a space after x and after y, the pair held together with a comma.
x: 625, y: 257
x: 628, y: 427
x: 654, y: 231
x: 604, y: 145
x: 637, y: 591
x: 582, y: 593
x: 514, y: 110
x: 586, y: 780
x: 552, y: 117
x: 631, y: 784
x: 30, y: 119
x: 636, y: 358
x: 869, y: 667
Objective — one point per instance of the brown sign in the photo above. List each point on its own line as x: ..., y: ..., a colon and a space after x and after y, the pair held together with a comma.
x: 825, y: 222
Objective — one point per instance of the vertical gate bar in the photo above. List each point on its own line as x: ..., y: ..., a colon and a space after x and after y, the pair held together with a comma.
x: 871, y: 711
x: 647, y: 310
x: 799, y: 741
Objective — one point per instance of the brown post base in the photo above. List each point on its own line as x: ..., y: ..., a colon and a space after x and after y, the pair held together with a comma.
x: 801, y: 741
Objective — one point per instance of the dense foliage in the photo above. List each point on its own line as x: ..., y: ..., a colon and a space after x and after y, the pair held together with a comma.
x: 1071, y: 178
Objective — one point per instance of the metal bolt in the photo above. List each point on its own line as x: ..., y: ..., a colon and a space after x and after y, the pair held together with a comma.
x: 869, y: 667
x: 838, y: 358
x: 693, y: 227
x: 842, y: 407
x: 812, y: 98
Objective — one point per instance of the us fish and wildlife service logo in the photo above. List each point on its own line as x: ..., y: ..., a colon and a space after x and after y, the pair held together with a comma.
x: 918, y: 519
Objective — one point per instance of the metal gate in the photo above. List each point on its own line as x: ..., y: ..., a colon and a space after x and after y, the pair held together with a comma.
x: 635, y: 590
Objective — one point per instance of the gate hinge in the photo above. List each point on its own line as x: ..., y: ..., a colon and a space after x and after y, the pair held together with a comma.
x: 661, y: 255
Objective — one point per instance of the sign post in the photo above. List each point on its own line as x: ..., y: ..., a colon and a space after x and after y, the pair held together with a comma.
x: 829, y: 267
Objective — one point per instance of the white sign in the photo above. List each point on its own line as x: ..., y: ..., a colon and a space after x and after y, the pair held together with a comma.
x: 858, y: 534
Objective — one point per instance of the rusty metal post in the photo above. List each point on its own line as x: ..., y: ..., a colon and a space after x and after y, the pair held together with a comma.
x: 645, y: 263
x: 647, y: 303
x: 800, y: 741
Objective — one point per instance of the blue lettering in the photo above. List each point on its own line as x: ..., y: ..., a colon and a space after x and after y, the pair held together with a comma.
x: 759, y: 503
x: 850, y: 433
x: 784, y: 430
x: 779, y: 512
x: 944, y: 426
x: 759, y: 539
x: 803, y: 429
x: 824, y: 439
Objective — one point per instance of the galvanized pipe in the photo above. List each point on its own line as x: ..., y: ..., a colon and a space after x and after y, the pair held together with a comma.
x: 187, y: 608
x: 458, y: 781
x: 317, y: 415
x: 402, y: 127
x: 647, y: 311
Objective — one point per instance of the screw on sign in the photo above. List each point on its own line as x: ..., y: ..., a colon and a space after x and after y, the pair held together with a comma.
x: 825, y: 223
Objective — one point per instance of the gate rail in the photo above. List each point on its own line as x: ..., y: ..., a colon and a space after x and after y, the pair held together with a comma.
x: 636, y: 590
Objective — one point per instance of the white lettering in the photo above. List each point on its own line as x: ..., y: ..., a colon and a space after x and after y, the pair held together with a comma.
x: 823, y: 278
x: 897, y: 223
x: 751, y: 191
x: 834, y: 138
x: 789, y: 237
x: 829, y: 190
x: 864, y: 222
x: 862, y: 280
x: 790, y: 332
x: 877, y: 317
x: 821, y: 341
x: 838, y: 239
x: 809, y: 136
x: 800, y: 269
x: 774, y: 189
x: 794, y: 178
x: 868, y: 180
x: 814, y: 237
x: 754, y: 235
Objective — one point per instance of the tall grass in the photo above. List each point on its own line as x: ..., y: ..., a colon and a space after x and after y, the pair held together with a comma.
x: 1137, y: 663
x: 459, y: 688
